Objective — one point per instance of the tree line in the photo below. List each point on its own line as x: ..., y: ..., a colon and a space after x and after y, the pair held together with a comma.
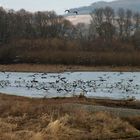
x: 120, y: 25
x: 106, y: 24
x: 27, y: 25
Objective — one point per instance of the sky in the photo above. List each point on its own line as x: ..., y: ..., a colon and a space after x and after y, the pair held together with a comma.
x: 45, y: 5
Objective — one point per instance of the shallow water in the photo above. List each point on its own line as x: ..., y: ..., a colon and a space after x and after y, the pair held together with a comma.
x: 114, y: 85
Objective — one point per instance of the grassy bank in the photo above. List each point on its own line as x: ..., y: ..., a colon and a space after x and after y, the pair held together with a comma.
x: 57, y: 119
x: 61, y: 68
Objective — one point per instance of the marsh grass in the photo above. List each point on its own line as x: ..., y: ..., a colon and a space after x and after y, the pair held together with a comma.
x: 40, y: 119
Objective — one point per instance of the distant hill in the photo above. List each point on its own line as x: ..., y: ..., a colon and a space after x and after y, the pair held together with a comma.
x: 133, y: 5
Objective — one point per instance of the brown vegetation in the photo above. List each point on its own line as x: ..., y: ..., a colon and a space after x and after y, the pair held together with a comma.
x: 41, y: 119
x: 57, y: 51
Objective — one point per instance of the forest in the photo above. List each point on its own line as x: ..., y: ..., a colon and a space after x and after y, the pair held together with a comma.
x: 43, y: 37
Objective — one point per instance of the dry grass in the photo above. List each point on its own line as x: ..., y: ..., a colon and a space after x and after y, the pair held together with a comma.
x: 135, y: 121
x: 41, y: 119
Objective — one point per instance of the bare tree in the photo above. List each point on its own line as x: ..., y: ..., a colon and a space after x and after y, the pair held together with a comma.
x: 136, y: 18
x: 121, y: 22
x: 97, y: 20
x: 128, y: 24
x: 3, y: 25
x: 109, y: 14
x: 102, y: 20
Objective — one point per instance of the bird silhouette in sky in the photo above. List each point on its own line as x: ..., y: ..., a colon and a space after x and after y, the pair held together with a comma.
x: 68, y: 11
x: 76, y: 12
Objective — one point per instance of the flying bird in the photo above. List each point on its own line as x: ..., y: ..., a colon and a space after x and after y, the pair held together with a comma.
x: 76, y: 12
x: 68, y: 11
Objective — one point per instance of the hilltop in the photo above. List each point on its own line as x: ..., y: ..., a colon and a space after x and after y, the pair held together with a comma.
x: 133, y: 5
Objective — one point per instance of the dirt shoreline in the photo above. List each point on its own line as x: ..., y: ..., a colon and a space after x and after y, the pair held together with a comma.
x: 64, y: 68
x: 119, y: 108
x: 130, y: 104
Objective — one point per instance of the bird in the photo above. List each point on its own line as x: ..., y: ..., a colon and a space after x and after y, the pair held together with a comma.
x: 76, y: 12
x: 68, y: 11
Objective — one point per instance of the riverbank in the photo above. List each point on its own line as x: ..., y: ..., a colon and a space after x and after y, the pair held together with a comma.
x: 62, y: 68
x: 40, y: 119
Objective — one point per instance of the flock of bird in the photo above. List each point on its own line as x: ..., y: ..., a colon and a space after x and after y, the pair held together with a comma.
x: 66, y: 85
x: 69, y: 11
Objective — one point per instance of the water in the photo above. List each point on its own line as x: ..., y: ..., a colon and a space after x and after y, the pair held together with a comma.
x: 113, y: 85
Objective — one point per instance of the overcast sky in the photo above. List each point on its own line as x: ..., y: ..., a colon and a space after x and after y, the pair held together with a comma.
x: 44, y: 5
